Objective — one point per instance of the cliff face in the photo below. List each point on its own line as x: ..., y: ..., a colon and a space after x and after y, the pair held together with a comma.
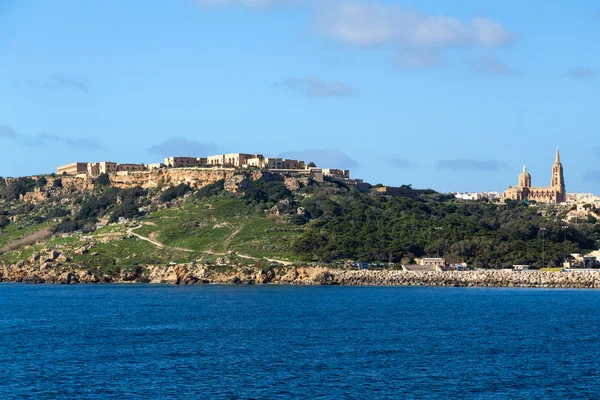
x: 171, y: 176
x: 53, y: 271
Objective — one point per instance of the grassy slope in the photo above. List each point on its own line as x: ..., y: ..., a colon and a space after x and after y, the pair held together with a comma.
x: 221, y: 224
x: 218, y: 224
x: 14, y: 232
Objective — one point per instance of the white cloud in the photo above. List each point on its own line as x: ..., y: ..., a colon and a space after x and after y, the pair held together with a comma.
x: 372, y: 23
x: 418, y: 37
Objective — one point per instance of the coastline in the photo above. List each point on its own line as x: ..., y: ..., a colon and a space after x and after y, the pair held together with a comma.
x: 198, y: 275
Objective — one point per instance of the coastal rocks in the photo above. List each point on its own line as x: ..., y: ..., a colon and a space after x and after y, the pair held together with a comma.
x: 37, y: 270
x: 65, y: 278
x: 33, y: 279
x: 85, y: 276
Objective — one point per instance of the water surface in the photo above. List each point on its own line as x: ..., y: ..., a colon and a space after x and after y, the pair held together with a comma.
x: 143, y: 341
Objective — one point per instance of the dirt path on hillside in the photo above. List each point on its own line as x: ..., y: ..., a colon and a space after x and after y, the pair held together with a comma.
x: 154, y: 242
x: 247, y: 257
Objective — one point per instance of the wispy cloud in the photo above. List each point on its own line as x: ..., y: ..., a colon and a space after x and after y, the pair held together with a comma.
x: 592, y: 175
x: 54, y: 81
x: 58, y: 80
x: 467, y: 164
x: 401, y: 163
x: 7, y: 132
x: 375, y: 23
x: 580, y: 73
x: 43, y: 139
x: 182, y: 147
x: 315, y: 87
x: 491, y: 66
x: 324, y: 158
x: 419, y: 38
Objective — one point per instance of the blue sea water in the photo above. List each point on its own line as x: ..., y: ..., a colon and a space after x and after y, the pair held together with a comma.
x: 142, y: 341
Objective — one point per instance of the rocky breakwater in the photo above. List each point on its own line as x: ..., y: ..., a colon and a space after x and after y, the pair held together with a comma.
x: 481, y: 278
x: 56, y: 268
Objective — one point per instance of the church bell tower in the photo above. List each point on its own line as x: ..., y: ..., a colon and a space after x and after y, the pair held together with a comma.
x: 558, y: 179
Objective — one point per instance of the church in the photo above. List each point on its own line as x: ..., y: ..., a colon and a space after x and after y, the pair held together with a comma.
x: 555, y: 193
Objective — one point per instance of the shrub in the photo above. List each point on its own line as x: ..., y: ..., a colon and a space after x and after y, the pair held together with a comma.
x: 214, y: 189
x: 102, y: 180
x: 174, y: 192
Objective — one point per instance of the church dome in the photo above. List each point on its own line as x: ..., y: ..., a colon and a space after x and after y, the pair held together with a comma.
x: 524, y: 178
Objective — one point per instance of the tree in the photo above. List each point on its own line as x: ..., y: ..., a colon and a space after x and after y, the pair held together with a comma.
x: 41, y: 182
x: 311, y: 165
x: 57, y: 184
x: 102, y: 180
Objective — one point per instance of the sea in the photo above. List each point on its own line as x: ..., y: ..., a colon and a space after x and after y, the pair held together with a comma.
x: 296, y: 342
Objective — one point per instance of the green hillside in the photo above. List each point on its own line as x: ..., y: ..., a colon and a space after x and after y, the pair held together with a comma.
x: 264, y: 221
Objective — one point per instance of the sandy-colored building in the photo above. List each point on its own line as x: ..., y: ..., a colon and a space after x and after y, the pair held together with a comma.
x: 108, y: 167
x: 433, y: 262
x: 154, y: 166
x: 218, y: 159
x: 184, y: 162
x: 75, y: 168
x: 555, y: 193
x: 337, y: 173
x: 131, y: 167
x: 236, y: 159
x: 274, y: 163
x: 93, y: 168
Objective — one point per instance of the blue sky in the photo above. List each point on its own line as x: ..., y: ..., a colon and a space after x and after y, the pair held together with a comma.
x: 451, y: 95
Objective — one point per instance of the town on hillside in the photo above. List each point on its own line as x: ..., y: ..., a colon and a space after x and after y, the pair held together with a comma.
x: 231, y: 161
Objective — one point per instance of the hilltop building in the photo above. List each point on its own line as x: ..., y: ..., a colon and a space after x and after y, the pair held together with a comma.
x: 75, y: 168
x: 182, y: 162
x: 555, y: 193
x: 232, y: 160
x: 93, y: 169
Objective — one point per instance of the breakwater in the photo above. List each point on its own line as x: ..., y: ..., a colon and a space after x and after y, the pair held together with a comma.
x: 195, y: 274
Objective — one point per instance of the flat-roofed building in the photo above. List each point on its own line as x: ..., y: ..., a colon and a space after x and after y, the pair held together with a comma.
x: 131, y: 167
x: 184, y: 162
x: 76, y: 168
x: 337, y: 173
x: 433, y: 261
x: 236, y: 159
x: 257, y: 160
x: 274, y: 163
x: 93, y: 169
x: 218, y: 159
x: 154, y: 166
x: 108, y: 167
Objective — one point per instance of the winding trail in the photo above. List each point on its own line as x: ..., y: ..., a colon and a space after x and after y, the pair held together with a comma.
x: 154, y: 242
x: 161, y: 245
